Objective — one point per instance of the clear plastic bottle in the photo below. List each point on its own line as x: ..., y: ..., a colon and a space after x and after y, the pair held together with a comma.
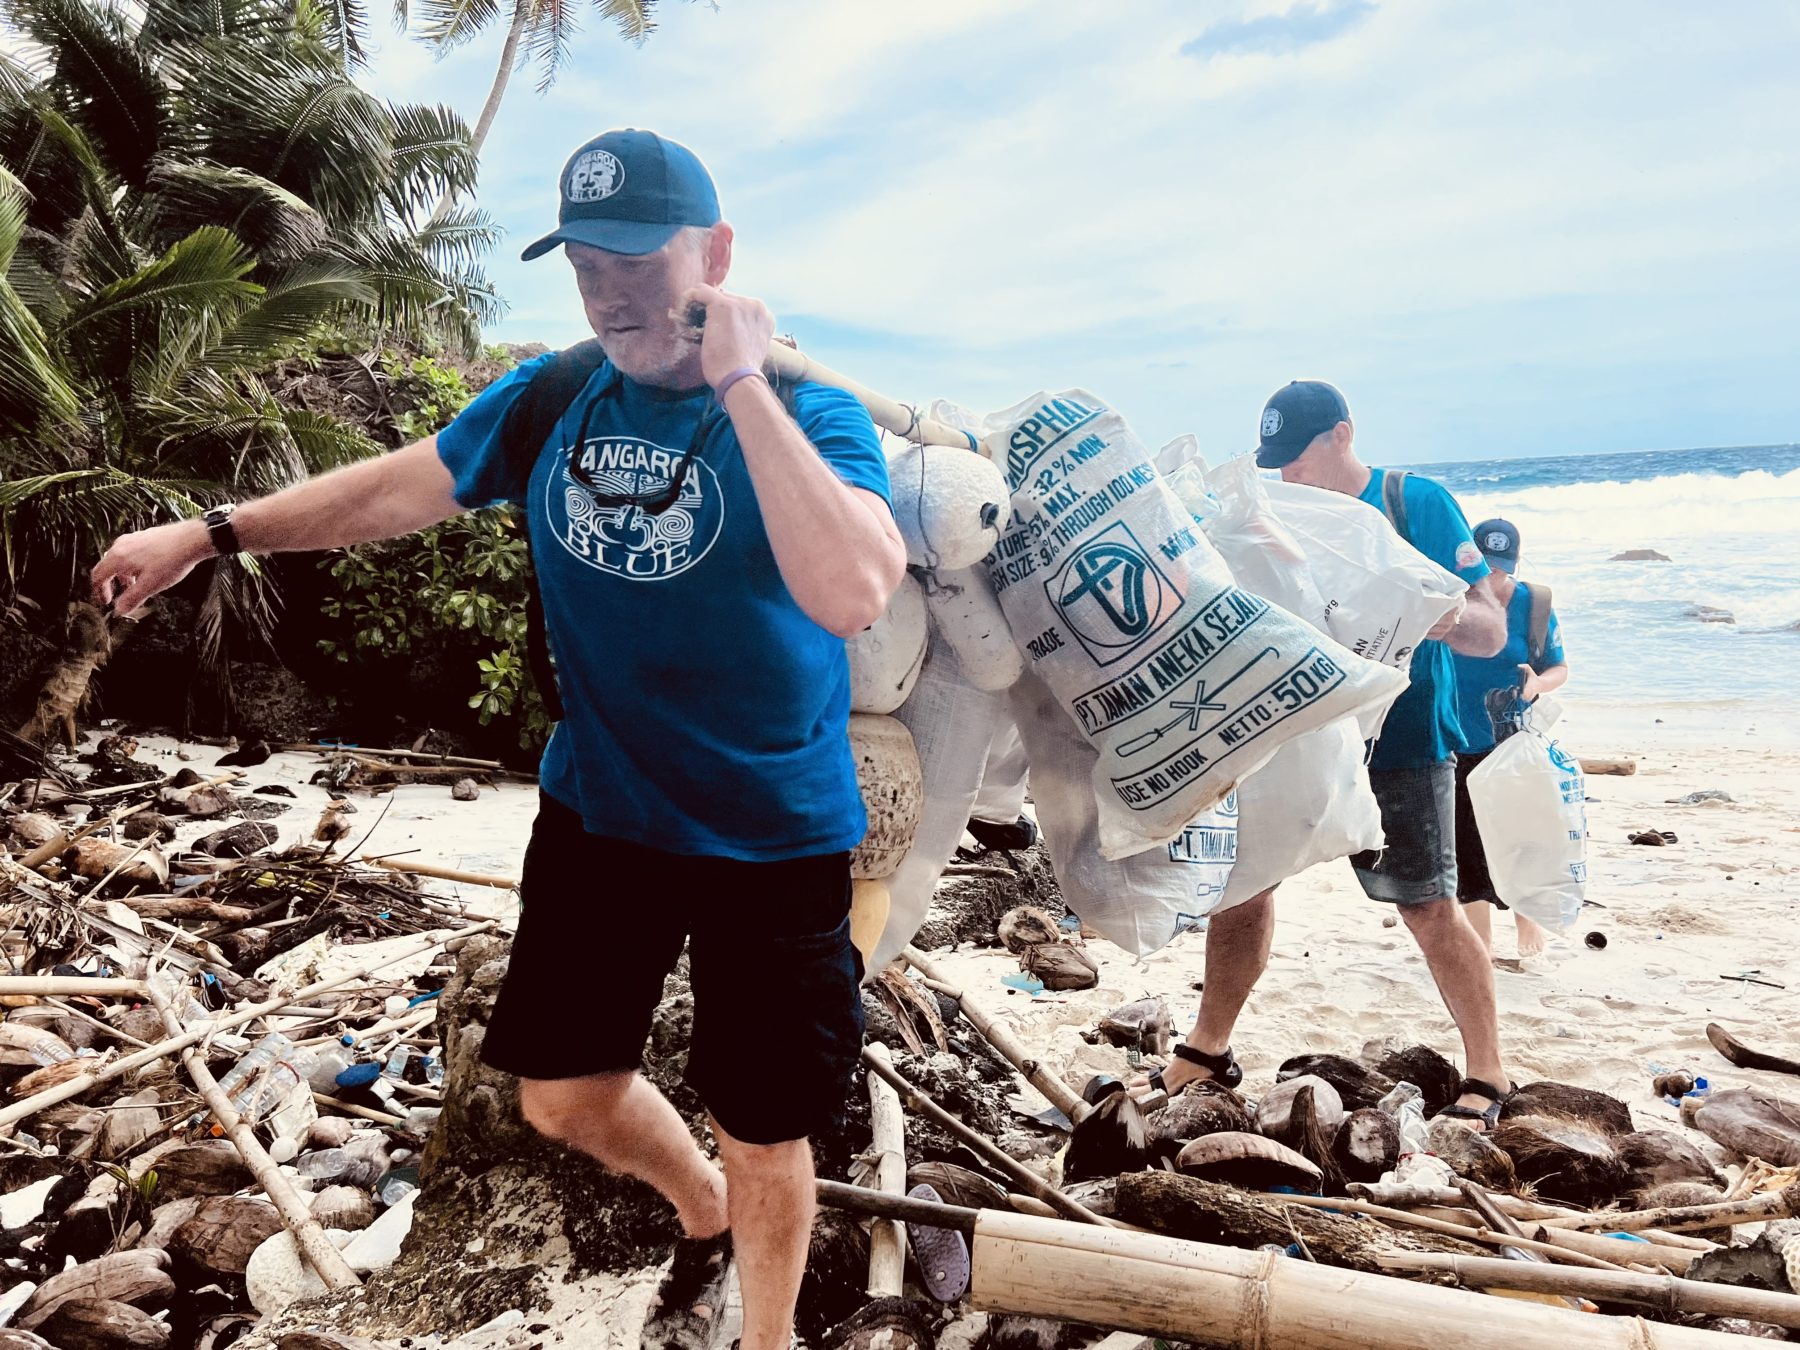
x: 265, y: 1052
x: 396, y: 1061
x: 322, y: 1067
x: 1398, y: 1097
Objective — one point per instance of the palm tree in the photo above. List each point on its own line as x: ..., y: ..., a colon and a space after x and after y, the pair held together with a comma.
x: 538, y: 31
x: 189, y: 192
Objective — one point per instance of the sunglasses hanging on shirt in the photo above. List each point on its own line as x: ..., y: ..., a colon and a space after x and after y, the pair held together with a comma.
x: 658, y: 500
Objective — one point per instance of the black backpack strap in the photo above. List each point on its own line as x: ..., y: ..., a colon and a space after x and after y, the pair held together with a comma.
x: 1537, y: 631
x: 1393, y: 501
x: 528, y: 424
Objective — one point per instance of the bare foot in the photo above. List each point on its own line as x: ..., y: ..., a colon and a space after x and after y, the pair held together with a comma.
x: 1533, y: 938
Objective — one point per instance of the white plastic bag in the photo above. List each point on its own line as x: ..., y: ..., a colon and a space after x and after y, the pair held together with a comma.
x: 1530, y: 801
x: 1183, y: 682
x: 952, y: 723
x: 1381, y: 594
x: 1138, y: 903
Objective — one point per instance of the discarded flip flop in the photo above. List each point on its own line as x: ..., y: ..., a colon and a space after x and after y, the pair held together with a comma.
x: 942, y: 1253
x: 691, y: 1296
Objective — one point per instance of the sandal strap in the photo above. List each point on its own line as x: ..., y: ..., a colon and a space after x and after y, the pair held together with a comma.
x: 1481, y: 1088
x: 1219, y: 1064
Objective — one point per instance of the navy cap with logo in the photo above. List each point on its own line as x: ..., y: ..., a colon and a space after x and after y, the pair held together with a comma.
x: 1498, y: 541
x: 1293, y: 416
x: 629, y: 191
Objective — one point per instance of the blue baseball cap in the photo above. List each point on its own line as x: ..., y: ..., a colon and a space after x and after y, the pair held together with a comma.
x: 629, y: 191
x: 1498, y: 541
x: 1293, y: 416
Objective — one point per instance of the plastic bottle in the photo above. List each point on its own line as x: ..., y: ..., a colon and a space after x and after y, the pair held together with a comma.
x: 264, y: 1053
x: 434, y: 1070
x: 322, y: 1067
x: 1398, y: 1097
x: 396, y: 1061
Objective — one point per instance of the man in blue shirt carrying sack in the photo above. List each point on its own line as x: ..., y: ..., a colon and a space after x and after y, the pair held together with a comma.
x: 1308, y: 436
x: 703, y: 545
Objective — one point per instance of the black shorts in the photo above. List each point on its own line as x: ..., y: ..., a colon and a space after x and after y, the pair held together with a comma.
x: 1473, y: 882
x: 1418, y: 816
x: 777, y: 1010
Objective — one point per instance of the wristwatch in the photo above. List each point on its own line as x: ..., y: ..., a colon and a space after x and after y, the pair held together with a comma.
x: 218, y: 529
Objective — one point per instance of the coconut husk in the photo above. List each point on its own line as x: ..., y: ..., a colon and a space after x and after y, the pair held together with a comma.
x: 1436, y: 1077
x: 1275, y: 1112
x: 1313, y: 1139
x: 130, y: 1122
x: 95, y: 858
x: 1367, y: 1145
x: 1662, y: 1157
x: 884, y: 1324
x: 1144, y: 1025
x: 166, y: 1218
x: 1605, y: 1113
x: 1251, y: 1161
x: 143, y: 1022
x: 54, y: 1075
x: 127, y: 1277
x: 237, y: 841
x: 31, y: 829
x: 1753, y: 1123
x: 105, y: 1324
x: 1201, y: 1108
x: 210, y: 1167
x: 1686, y: 1193
x: 837, y: 1273
x: 343, y: 1207
x: 147, y: 825
x: 1472, y: 1155
x: 1110, y: 1139
x: 1358, y: 1086
x: 957, y: 1185
x: 11, y: 1338
x: 1027, y: 926
x: 25, y: 1046
x: 1566, y: 1160
x: 1061, y: 966
x: 224, y: 1231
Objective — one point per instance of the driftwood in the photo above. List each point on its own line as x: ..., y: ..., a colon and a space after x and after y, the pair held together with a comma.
x: 1782, y: 1204
x: 1753, y: 1123
x: 442, y: 873
x: 1743, y: 1056
x: 1622, y: 766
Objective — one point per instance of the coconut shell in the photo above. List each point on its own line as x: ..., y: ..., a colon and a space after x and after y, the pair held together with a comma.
x: 343, y: 1207
x: 1251, y: 1161
x: 1313, y: 1140
x: 224, y: 1231
x: 211, y: 1167
x: 957, y: 1185
x: 127, y: 1277
x: 1471, y: 1154
x: 1061, y: 966
x: 95, y: 858
x: 1275, y: 1112
x: 884, y: 1324
x: 1367, y: 1145
x: 893, y: 793
x: 1752, y: 1122
x: 1677, y: 1193
x: 105, y: 1324
x: 130, y: 1121
x: 1027, y: 926
x: 1357, y: 1085
x: 1145, y: 1025
x: 1660, y: 1157
x: 1607, y: 1114
x: 1566, y: 1160
x: 1434, y: 1076
x: 165, y: 1219
x: 1201, y: 1108
x: 1110, y: 1139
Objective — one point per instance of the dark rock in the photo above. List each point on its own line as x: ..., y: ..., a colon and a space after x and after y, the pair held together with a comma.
x: 148, y: 825
x: 274, y: 790
x: 246, y: 756
x: 1756, y: 1265
x: 1639, y: 555
x: 272, y: 703
x: 239, y: 841
x: 1709, y: 614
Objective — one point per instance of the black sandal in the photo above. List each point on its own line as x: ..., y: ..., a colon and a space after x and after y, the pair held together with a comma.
x: 691, y: 1297
x: 1223, y: 1067
x: 1489, y: 1117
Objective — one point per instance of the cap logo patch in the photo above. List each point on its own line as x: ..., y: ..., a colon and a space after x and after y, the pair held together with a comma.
x: 1271, y: 422
x: 1496, y: 541
x: 1467, y: 555
x: 594, y: 177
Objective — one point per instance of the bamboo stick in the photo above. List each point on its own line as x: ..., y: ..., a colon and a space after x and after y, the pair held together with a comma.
x: 1621, y: 1252
x: 900, y: 1208
x: 1241, y: 1300
x: 427, y: 756
x: 45, y: 986
x: 75, y: 1087
x: 309, y: 1237
x: 887, y: 1240
x: 1059, y: 1094
x: 442, y: 873
x: 792, y: 364
x: 1667, y: 1292
x: 360, y: 1112
x: 1782, y: 1204
x: 1402, y: 1195
x: 986, y: 1147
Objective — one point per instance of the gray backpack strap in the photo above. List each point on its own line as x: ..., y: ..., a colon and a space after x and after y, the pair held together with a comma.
x: 1537, y: 631
x: 1393, y: 501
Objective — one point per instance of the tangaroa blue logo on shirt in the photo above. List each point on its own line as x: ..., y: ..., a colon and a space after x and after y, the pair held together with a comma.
x: 628, y: 541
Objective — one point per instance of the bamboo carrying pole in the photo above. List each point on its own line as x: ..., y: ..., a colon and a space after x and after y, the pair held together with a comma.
x: 887, y: 1240
x: 309, y: 1237
x: 795, y: 365
x: 1782, y: 1204
x: 1058, y: 1093
x: 1667, y: 1292
x: 1224, y: 1297
x: 62, y: 1092
x: 1020, y: 1174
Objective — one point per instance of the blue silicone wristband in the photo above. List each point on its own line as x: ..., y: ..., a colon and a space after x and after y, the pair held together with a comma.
x: 741, y: 373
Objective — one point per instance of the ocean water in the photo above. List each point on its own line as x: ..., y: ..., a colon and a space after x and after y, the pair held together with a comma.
x: 1729, y: 521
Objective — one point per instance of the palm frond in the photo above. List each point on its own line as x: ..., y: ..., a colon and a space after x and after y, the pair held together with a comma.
x: 101, y: 78
x: 33, y: 389
x: 274, y: 223
x: 74, y: 513
x: 433, y: 155
x: 457, y: 240
x: 631, y: 17
x: 241, y: 597
x: 206, y: 271
x: 289, y: 312
x: 450, y: 23
x: 344, y: 27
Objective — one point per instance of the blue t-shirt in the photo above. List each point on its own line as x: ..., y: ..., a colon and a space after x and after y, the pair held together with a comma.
x: 1423, y: 726
x: 705, y: 713
x: 1475, y: 675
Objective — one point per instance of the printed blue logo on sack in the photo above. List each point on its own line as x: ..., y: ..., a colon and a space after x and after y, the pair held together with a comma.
x: 626, y: 540
x: 1112, y: 595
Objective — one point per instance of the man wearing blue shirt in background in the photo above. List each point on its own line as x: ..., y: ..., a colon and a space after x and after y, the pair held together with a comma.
x: 702, y: 547
x: 1531, y: 663
x: 1308, y: 436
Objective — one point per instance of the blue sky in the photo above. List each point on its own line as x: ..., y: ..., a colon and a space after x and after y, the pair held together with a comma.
x: 1529, y: 228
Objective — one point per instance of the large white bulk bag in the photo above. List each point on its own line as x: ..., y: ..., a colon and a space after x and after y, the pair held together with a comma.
x: 1530, y: 800
x: 965, y: 614
x: 1183, y: 682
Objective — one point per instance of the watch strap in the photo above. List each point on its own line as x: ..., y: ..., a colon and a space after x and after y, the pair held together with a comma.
x: 220, y: 530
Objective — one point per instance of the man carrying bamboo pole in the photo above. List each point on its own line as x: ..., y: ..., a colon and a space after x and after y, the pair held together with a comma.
x: 702, y: 548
